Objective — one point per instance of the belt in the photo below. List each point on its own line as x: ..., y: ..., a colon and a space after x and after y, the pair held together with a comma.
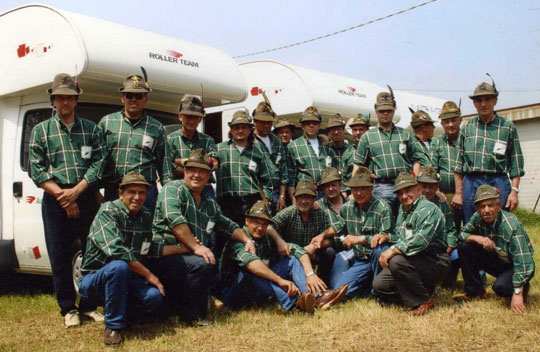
x: 384, y: 180
x: 485, y: 174
x: 248, y: 199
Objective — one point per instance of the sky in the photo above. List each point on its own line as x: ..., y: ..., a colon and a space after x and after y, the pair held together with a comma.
x: 441, y: 49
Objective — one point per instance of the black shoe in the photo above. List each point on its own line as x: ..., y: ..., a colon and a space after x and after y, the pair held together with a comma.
x: 112, y: 337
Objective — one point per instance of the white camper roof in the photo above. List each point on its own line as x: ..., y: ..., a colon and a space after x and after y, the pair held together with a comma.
x: 44, y: 41
x: 291, y: 89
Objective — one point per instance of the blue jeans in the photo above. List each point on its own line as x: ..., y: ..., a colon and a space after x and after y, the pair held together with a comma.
x: 63, y: 237
x: 358, y: 274
x: 115, y: 287
x: 471, y: 184
x: 248, y: 288
x: 111, y: 193
x: 385, y: 191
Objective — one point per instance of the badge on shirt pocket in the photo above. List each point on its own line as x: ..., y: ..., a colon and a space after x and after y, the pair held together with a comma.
x: 148, y: 141
x: 210, y: 227
x: 402, y: 148
x: 408, y: 231
x: 86, y: 152
x: 499, y: 148
x: 145, y: 247
x: 252, y: 165
x: 278, y: 159
x: 328, y: 161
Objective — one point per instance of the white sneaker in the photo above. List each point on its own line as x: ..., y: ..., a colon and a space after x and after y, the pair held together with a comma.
x: 71, y: 319
x: 94, y: 315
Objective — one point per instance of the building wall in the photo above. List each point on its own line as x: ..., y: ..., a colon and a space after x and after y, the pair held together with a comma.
x: 529, y: 135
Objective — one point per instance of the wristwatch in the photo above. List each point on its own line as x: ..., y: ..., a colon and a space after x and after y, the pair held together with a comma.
x: 311, y: 273
x: 518, y: 291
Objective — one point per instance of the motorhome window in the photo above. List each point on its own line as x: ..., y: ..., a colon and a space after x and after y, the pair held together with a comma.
x: 91, y: 111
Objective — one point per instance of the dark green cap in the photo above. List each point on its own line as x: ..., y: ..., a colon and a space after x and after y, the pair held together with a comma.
x: 259, y: 210
x: 336, y: 121
x: 360, y: 119
x: 305, y: 186
x: 449, y: 110
x: 134, y: 84
x: 385, y: 101
x: 311, y: 114
x: 133, y: 178
x: 428, y: 174
x: 284, y: 123
x: 363, y: 178
x: 198, y: 158
x: 191, y: 105
x: 420, y: 118
x: 63, y: 84
x: 484, y: 89
x: 241, y: 117
x: 330, y: 174
x: 486, y: 192
x: 404, y: 180
x: 264, y: 112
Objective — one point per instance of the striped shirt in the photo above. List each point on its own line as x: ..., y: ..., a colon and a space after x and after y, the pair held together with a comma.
x: 136, y: 145
x: 512, y: 243
x: 489, y: 148
x: 66, y: 157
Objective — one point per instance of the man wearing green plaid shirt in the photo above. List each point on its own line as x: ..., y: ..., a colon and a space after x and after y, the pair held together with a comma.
x: 308, y: 155
x: 135, y: 142
x: 367, y: 231
x: 263, y: 117
x: 186, y: 216
x: 488, y: 152
x: 495, y: 240
x: 423, y: 127
x: 417, y: 261
x: 67, y: 155
x: 121, y: 268
x: 308, y: 227
x: 344, y: 152
x: 187, y: 138
x: 387, y: 150
x: 248, y: 278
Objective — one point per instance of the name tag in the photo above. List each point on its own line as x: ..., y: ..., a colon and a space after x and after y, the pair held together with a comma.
x: 499, y: 148
x: 148, y: 141
x: 328, y: 161
x: 408, y: 231
x: 278, y: 159
x: 252, y: 165
x: 210, y: 227
x: 145, y: 248
x: 402, y: 148
x: 86, y: 152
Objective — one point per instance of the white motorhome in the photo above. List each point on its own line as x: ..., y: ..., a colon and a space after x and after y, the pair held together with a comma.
x: 38, y: 42
x: 291, y: 89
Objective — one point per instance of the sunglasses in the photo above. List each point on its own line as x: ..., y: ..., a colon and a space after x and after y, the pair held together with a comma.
x: 137, y: 96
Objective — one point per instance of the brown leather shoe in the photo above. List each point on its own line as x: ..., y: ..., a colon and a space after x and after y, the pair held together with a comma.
x: 112, y: 337
x: 467, y: 297
x: 423, y: 308
x: 331, y: 297
x: 306, y: 303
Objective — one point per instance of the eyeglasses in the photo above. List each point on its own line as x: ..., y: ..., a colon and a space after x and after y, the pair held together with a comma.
x: 137, y: 96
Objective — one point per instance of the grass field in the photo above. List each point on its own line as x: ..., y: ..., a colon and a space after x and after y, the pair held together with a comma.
x: 29, y: 321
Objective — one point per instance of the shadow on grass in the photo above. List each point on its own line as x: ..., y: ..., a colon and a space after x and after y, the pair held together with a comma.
x: 13, y: 283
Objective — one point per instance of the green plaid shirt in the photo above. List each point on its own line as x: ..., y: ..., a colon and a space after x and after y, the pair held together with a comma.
x: 278, y: 157
x: 444, y: 160
x: 240, y: 174
x: 451, y: 233
x: 304, y: 161
x: 512, y: 243
x: 176, y: 205
x: 375, y: 218
x: 180, y: 146
x: 379, y: 150
x: 115, y: 234
x: 66, y: 157
x: 489, y: 148
x: 345, y: 161
x: 425, y: 150
x: 336, y: 220
x: 235, y: 258
x: 136, y: 146
x: 427, y: 229
x: 288, y: 223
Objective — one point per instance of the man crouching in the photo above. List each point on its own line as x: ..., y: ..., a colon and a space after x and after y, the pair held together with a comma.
x: 248, y: 278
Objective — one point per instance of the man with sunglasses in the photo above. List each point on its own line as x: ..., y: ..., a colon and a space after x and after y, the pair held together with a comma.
x: 309, y: 156
x: 495, y: 240
x: 135, y: 142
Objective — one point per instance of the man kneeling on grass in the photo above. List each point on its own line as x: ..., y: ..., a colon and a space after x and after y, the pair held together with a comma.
x: 496, y: 241
x: 417, y: 262
x: 248, y: 278
x: 116, y: 266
